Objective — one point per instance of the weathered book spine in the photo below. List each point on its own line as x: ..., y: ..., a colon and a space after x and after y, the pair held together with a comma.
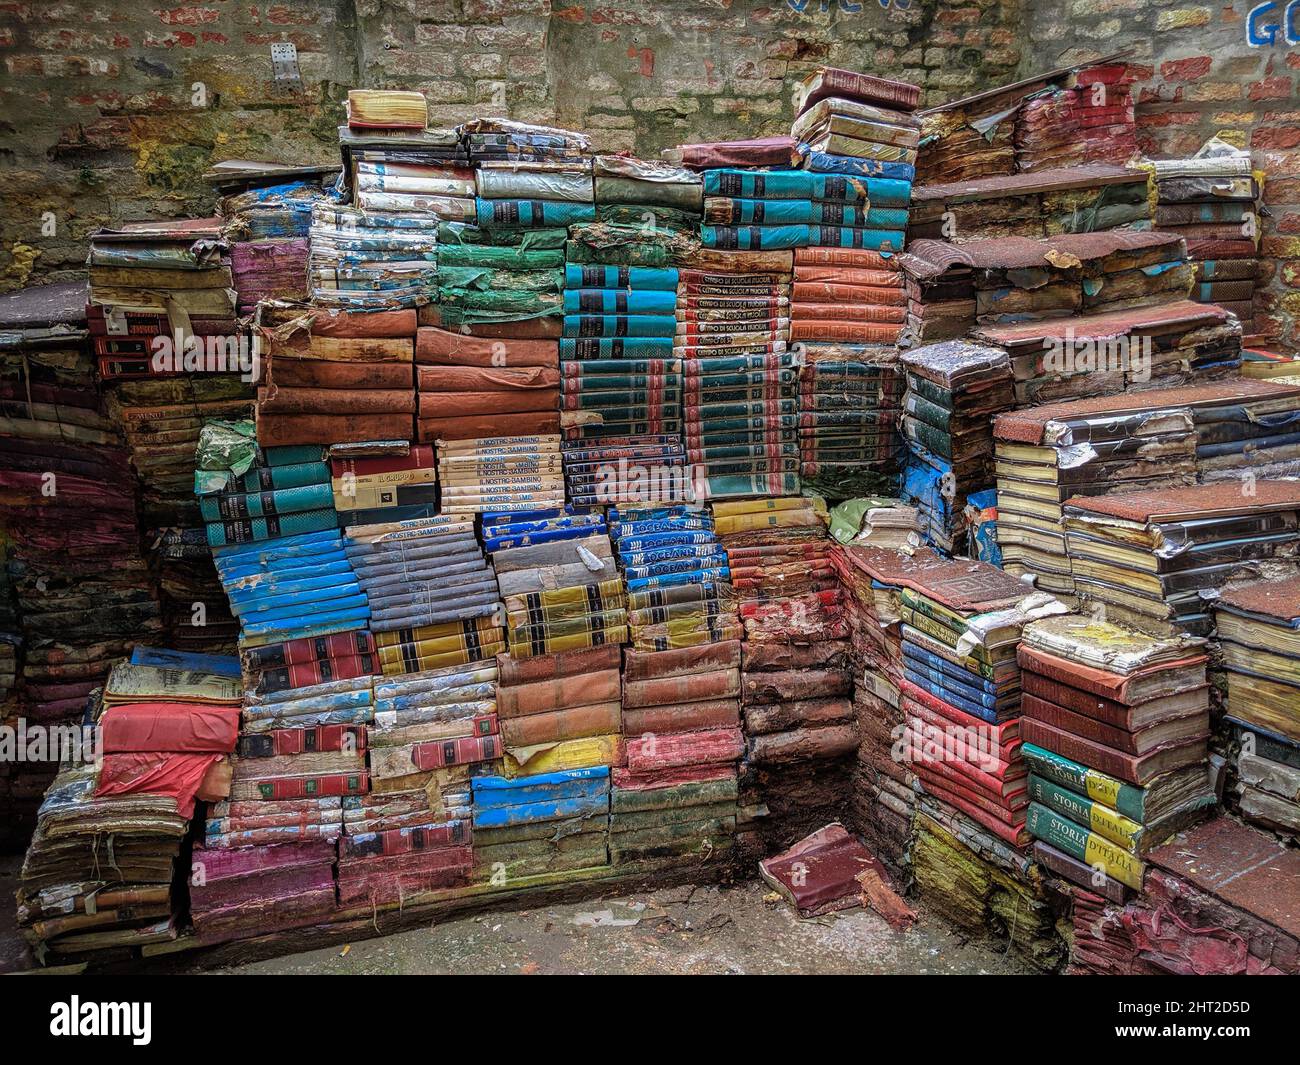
x: 1031, y: 706
x: 693, y: 687
x: 1060, y: 769
x: 1092, y: 815
x: 1086, y: 846
x: 578, y: 722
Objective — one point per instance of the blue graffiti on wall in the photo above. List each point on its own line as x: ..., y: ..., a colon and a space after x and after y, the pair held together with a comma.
x: 1267, y: 20
x: 849, y: 6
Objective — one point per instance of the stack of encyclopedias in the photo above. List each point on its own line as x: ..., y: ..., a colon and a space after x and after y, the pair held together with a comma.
x: 1213, y: 200
x: 1256, y: 625
x: 475, y: 386
x: 433, y: 730
x: 954, y: 389
x: 336, y: 377
x: 432, y: 595
x: 681, y: 716
x: 546, y: 823
x: 1117, y: 554
x: 619, y: 381
x: 677, y: 577
x: 1114, y: 725
x: 501, y: 473
x: 372, y: 260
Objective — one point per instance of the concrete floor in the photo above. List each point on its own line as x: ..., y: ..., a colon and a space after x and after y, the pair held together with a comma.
x: 740, y: 929
x: 686, y: 930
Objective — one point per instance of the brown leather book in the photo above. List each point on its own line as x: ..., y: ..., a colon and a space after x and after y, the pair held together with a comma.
x: 1128, y: 717
x: 692, y: 687
x: 681, y: 717
x: 1142, y: 742
x: 572, y: 723
x: 514, y: 670
x: 1135, y: 769
x: 1168, y: 678
x: 558, y: 693
x: 647, y: 665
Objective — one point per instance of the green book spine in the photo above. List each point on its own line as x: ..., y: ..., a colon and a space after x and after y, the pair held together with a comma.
x: 1092, y: 815
x: 931, y: 413
x: 1078, y: 842
x: 1119, y: 796
x: 928, y: 436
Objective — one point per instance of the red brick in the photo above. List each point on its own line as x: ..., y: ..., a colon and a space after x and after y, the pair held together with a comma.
x: 1276, y: 137
x: 187, y: 16
x: 1276, y: 88
x: 1186, y: 69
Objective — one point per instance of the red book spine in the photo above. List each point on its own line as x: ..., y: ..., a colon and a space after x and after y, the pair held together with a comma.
x: 1086, y: 752
x: 304, y: 740
x: 324, y: 670
x: 404, y: 840
x: 326, y: 784
x: 437, y: 754
x: 1067, y: 695
x: 1016, y: 836
x: 1089, y: 728
x: 1007, y: 733
x: 314, y: 648
x: 1000, y: 763
x: 1008, y: 810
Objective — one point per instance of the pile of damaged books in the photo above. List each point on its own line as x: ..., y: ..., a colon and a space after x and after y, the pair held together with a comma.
x: 1256, y: 623
x: 1114, y: 727
x: 1213, y: 201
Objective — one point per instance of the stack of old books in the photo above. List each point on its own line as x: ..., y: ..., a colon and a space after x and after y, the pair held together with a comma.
x: 500, y: 473
x: 499, y: 281
x: 962, y: 622
x: 678, y: 581
x: 464, y: 402
x: 858, y: 124
x: 291, y: 587
x: 433, y: 731
x: 850, y: 397
x: 371, y: 260
x: 1005, y: 280
x: 423, y: 577
x: 632, y: 192
x: 165, y: 733
x: 247, y: 494
x: 78, y: 579
x: 766, y: 210
x: 421, y: 786
x: 732, y: 334
x: 265, y: 210
x: 626, y: 470
x: 413, y: 170
x: 1115, y: 724
x: 559, y: 582
x: 1166, y: 344
x: 501, y: 139
x: 550, y: 699
x: 1046, y: 455
x: 383, y: 481
x: 845, y: 296
x: 176, y: 269
x: 242, y: 891
x: 619, y: 379
x: 1257, y: 624
x: 513, y: 380
x: 954, y: 388
x: 311, y: 660
x: 1119, y: 556
x: 1213, y: 200
x: 334, y: 378
x: 883, y: 792
x: 541, y: 824
x: 1077, y: 199
x: 681, y: 715
x: 1088, y: 118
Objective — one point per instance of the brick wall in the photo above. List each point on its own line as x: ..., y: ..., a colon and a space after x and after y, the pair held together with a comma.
x: 1199, y: 77
x: 110, y: 110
